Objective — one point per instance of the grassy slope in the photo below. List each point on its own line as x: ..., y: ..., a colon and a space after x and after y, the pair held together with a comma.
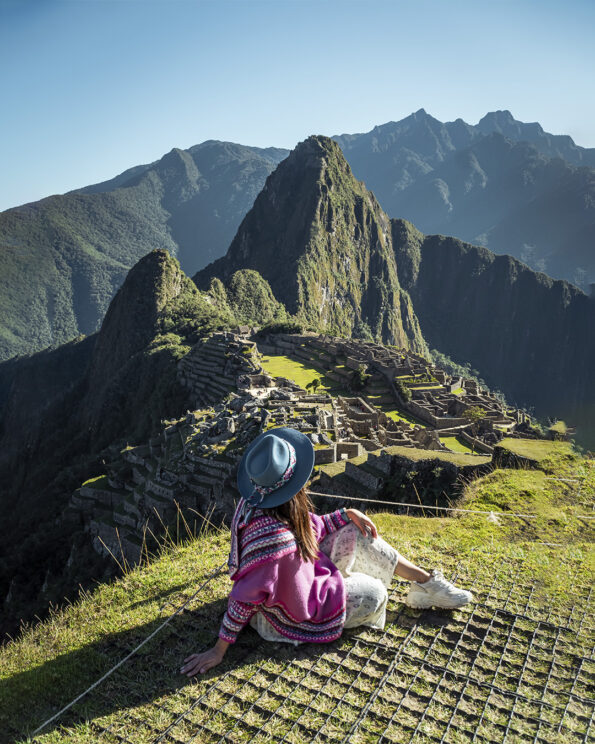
x: 54, y: 661
x: 535, y: 449
x: 459, y: 458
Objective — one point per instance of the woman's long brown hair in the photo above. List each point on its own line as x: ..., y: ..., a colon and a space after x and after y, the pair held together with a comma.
x: 295, y: 513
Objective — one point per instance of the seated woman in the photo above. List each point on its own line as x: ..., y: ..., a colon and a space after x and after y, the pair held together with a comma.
x: 299, y: 577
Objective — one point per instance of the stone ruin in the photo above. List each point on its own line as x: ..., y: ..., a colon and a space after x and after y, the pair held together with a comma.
x: 189, y: 467
x: 438, y: 400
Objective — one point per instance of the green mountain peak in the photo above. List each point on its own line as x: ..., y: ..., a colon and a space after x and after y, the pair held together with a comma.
x: 324, y: 245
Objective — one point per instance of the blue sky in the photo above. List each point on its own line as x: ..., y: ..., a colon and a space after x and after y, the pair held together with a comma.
x: 92, y: 87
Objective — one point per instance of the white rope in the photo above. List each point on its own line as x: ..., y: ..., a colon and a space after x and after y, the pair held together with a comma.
x: 440, y: 508
x: 140, y: 645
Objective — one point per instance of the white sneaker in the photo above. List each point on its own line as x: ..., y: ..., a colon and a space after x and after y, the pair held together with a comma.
x: 437, y: 592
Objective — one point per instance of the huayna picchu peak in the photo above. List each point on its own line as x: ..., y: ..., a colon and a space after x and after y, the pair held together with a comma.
x: 324, y: 245
x: 335, y: 260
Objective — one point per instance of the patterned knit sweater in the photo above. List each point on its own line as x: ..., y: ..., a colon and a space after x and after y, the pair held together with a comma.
x: 303, y: 601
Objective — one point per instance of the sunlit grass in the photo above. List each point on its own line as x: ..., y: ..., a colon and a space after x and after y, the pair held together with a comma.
x: 455, y: 444
x: 52, y: 662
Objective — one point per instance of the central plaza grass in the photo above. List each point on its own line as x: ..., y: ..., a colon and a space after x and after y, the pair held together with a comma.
x: 455, y: 444
x: 303, y: 373
x: 300, y: 372
x: 540, y: 568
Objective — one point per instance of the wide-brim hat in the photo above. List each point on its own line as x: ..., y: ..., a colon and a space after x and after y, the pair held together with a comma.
x: 275, y: 466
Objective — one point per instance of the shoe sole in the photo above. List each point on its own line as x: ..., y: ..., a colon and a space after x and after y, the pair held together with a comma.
x: 427, y: 605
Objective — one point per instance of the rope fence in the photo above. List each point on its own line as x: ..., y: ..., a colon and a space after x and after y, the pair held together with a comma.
x: 134, y: 650
x: 387, y: 657
x: 512, y: 669
x: 491, y: 514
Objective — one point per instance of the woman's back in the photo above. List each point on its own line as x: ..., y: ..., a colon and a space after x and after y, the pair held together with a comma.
x: 303, y: 600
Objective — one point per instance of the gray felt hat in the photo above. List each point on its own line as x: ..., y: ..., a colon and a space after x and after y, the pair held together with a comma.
x: 275, y: 466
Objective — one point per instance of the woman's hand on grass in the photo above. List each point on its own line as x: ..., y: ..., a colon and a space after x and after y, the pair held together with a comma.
x: 201, y: 663
x: 362, y: 522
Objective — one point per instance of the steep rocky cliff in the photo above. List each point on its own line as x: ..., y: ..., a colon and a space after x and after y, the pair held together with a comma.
x: 527, y: 334
x: 324, y: 245
x: 63, y: 407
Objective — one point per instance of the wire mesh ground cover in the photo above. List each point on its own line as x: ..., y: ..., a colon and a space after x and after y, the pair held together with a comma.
x: 508, y: 668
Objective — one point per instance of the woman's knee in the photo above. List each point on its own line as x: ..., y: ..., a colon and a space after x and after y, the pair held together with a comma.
x: 379, y: 592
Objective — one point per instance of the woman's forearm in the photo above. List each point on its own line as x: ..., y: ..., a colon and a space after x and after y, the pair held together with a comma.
x: 221, y: 646
x: 362, y: 522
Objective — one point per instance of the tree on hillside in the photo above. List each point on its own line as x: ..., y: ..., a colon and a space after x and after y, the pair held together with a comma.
x: 314, y: 384
x: 474, y: 414
x: 359, y: 378
x: 403, y: 390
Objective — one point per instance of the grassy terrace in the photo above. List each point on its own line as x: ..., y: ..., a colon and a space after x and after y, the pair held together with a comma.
x: 456, y: 444
x: 303, y: 373
x: 414, y: 454
x: 536, y: 449
x: 458, y: 458
x: 516, y: 665
x: 395, y: 414
x: 99, y: 481
x: 334, y: 468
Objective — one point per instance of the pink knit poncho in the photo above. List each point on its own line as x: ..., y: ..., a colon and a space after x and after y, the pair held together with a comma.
x: 303, y: 601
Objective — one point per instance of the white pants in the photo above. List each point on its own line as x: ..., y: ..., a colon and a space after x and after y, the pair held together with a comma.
x: 367, y: 565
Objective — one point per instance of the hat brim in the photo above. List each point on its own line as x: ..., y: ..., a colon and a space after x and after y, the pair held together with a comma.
x: 304, y: 451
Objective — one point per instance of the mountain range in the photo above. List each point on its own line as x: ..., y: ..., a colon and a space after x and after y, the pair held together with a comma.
x: 63, y: 258
x: 337, y: 262
x: 315, y: 249
x: 502, y: 183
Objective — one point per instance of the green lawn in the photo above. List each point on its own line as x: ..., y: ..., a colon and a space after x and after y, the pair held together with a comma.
x: 459, y: 458
x: 559, y: 427
x: 536, y: 449
x: 395, y: 413
x: 334, y: 468
x: 302, y: 373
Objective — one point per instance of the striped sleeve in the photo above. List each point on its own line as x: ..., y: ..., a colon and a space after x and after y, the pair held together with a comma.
x: 335, y: 520
x: 237, y: 615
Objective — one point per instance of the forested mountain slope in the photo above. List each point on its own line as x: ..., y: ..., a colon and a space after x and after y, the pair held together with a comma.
x: 63, y: 258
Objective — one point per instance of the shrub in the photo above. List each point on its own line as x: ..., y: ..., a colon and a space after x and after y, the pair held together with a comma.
x: 403, y: 391
x: 289, y: 326
x: 359, y: 378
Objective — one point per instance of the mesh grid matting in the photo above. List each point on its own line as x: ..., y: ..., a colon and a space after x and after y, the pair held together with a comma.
x: 508, y: 668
